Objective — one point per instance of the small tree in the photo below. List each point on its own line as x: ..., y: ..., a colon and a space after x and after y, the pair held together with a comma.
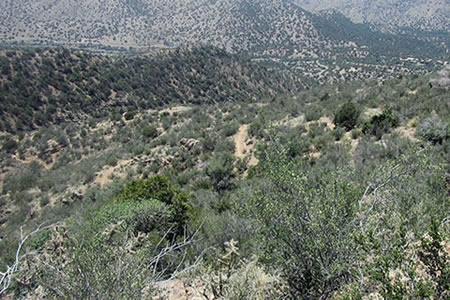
x: 347, y: 116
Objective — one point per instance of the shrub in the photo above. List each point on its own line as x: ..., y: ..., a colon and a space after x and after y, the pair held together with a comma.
x: 230, y: 129
x: 129, y: 115
x: 9, y: 145
x: 113, y: 255
x: 434, y: 130
x: 381, y: 124
x: 256, y: 128
x: 235, y: 278
x: 150, y: 131
x: 313, y: 113
x: 356, y: 133
x: 159, y: 188
x: 338, y: 133
x: 347, y: 116
x: 305, y: 227
x: 23, y: 178
x: 220, y: 172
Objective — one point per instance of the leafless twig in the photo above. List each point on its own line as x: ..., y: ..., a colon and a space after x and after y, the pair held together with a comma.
x: 7, y: 276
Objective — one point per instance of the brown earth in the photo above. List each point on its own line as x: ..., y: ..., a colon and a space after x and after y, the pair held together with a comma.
x: 245, y: 146
x: 105, y: 176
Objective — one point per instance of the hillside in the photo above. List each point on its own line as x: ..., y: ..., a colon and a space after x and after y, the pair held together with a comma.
x: 277, y: 32
x: 233, y: 25
x: 346, y: 171
x: 41, y: 87
x: 389, y: 15
x: 223, y: 149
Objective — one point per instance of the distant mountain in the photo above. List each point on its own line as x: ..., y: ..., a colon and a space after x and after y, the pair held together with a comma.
x: 235, y: 25
x: 259, y: 26
x: 388, y: 15
x: 51, y: 86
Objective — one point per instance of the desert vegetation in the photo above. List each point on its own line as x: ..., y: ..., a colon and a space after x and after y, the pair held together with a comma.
x: 254, y: 188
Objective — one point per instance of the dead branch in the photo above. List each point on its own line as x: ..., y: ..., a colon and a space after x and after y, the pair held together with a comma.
x: 7, y: 276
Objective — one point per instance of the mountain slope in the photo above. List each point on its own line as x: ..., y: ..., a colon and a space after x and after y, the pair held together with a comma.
x: 388, y: 14
x: 233, y: 25
x: 38, y: 87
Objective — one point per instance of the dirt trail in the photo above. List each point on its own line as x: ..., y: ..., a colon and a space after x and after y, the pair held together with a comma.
x: 244, y: 146
x: 35, y: 158
x: 328, y: 121
x: 239, y: 140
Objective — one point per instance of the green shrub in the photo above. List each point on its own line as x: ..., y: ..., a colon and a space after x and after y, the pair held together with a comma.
x: 9, y: 145
x: 230, y: 129
x: 22, y: 178
x: 313, y: 113
x: 436, y: 259
x: 129, y: 115
x: 221, y: 173
x: 118, y: 252
x: 256, y: 128
x: 356, y: 133
x: 338, y: 133
x: 305, y: 228
x: 159, y: 188
x: 347, y: 116
x: 381, y: 124
x: 150, y: 131
x: 434, y: 130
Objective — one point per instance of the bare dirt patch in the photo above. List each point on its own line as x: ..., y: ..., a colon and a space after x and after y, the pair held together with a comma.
x: 353, y: 143
x: 291, y: 122
x: 105, y: 176
x: 327, y: 121
x: 407, y: 132
x: 245, y: 146
x: 179, y: 290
